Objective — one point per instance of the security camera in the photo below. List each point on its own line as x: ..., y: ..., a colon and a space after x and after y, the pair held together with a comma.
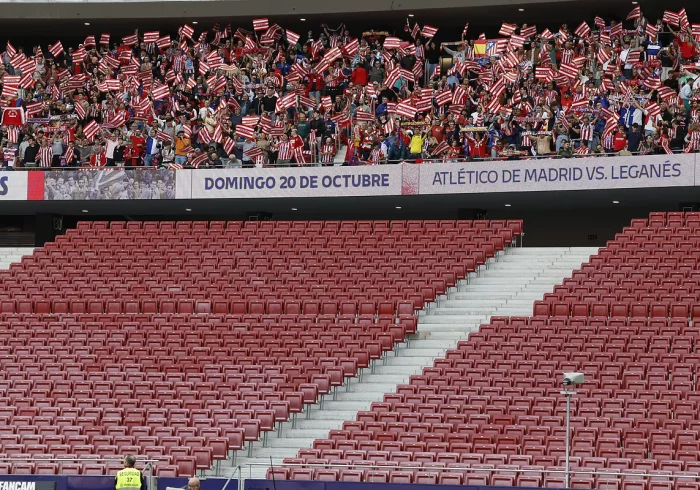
x: 573, y: 379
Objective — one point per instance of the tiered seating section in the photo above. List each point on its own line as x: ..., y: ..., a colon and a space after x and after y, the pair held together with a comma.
x: 186, y: 341
x: 495, y: 402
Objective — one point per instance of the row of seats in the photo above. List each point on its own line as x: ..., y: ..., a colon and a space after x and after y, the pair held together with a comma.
x: 185, y: 467
x: 507, y: 477
x: 334, y: 227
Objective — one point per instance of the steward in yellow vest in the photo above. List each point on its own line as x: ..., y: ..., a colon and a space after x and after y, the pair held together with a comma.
x: 129, y: 478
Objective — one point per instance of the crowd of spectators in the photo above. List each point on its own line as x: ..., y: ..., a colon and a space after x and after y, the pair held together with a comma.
x: 228, y: 98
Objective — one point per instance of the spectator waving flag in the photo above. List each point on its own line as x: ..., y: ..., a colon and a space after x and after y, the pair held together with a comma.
x: 260, y: 24
x: 429, y: 31
x: 583, y: 31
x: 636, y: 13
x: 56, y: 50
x: 507, y: 29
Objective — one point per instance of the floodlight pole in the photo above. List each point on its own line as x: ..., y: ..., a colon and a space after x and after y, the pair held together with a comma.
x: 567, y: 460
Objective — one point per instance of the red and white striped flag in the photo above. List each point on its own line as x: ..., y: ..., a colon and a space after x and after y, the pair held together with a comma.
x: 56, y: 50
x: 392, y: 42
x: 544, y: 73
x: 249, y: 44
x: 507, y: 29
x: 260, y: 24
x: 444, y: 97
x: 163, y: 42
x: 163, y: 136
x: 683, y: 19
x: 160, y: 92
x: 583, y: 30
x: 405, y: 109
x: 429, y: 31
x: 441, y: 148
x: 547, y: 34
x: 299, y: 155
x: 651, y: 30
x: 671, y: 18
x: 292, y: 37
x: 10, y: 50
x: 289, y: 100
x: 363, y: 116
x: 599, y: 22
x: 246, y: 132
x: 186, y: 31
x: 151, y: 36
x: 351, y: 47
x: 517, y: 41
x: 665, y: 146
x: 104, y: 39
x: 91, y: 129
x: 89, y: 41
x: 695, y: 28
x: 253, y: 152
x: 130, y: 40
x: 197, y: 161
x: 415, y: 32
x: 636, y: 13
x: 70, y: 153
x: 529, y: 31
x: 229, y: 145
x: 569, y: 70
x: 79, y: 110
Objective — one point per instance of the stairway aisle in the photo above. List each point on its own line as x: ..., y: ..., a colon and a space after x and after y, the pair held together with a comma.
x: 11, y: 255
x: 509, y: 286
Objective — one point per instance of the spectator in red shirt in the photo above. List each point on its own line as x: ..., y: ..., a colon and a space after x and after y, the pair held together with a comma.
x: 359, y: 76
x: 138, y: 143
x: 620, y: 141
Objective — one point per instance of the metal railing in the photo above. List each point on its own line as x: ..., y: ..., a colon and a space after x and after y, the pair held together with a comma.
x: 408, y: 161
x: 149, y: 469
x: 562, y: 472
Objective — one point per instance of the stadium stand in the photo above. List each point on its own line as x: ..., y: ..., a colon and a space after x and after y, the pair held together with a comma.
x: 188, y: 341
x: 625, y: 319
x: 231, y: 97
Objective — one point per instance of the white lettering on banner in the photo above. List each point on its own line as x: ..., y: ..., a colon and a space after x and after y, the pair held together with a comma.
x: 558, y: 175
x: 13, y: 187
x: 17, y: 485
x: 292, y: 182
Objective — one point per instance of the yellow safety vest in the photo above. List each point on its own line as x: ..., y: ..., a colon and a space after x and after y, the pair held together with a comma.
x: 128, y: 478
